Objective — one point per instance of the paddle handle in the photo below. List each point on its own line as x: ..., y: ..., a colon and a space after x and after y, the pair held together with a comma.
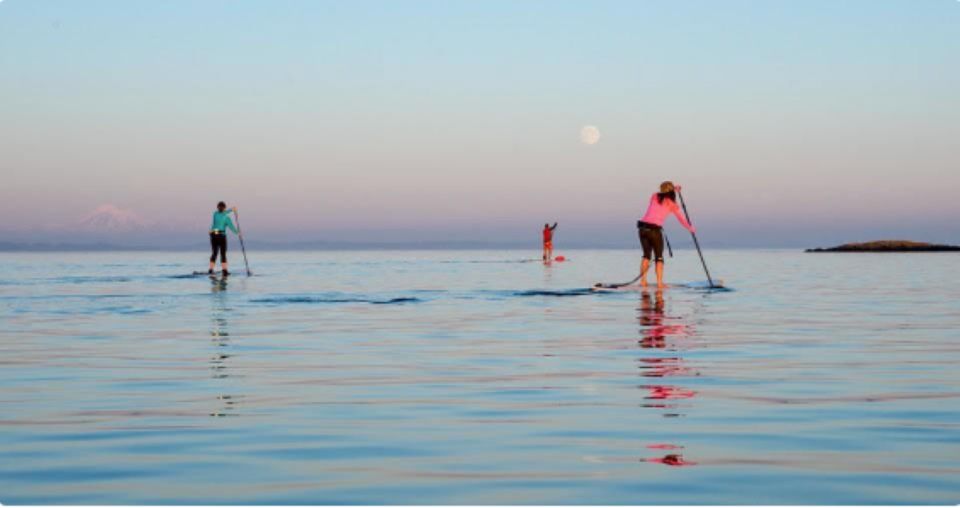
x: 695, y: 241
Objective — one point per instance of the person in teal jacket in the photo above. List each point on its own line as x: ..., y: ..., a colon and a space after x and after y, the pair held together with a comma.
x: 218, y: 236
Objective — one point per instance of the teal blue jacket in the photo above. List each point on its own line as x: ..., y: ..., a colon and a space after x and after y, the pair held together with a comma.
x: 221, y: 221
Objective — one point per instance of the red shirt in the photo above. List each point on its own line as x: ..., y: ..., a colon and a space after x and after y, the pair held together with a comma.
x: 547, y: 235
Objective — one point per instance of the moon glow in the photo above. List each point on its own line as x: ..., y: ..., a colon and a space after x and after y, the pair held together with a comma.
x: 589, y: 135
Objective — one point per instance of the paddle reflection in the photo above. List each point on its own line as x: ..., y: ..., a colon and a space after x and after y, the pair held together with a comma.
x: 662, y: 337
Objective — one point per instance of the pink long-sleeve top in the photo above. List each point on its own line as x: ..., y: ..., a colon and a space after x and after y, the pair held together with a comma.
x: 657, y: 212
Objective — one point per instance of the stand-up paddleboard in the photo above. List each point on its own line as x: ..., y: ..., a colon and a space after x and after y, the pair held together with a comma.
x: 208, y: 274
x: 717, y: 285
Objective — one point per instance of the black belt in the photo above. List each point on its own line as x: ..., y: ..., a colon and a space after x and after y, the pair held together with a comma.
x: 647, y: 225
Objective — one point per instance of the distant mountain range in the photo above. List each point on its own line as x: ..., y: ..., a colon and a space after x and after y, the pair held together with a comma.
x: 109, y: 227
x: 110, y: 219
x: 201, y: 245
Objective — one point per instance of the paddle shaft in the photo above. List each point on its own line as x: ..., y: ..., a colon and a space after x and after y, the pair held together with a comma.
x: 242, y: 247
x: 695, y: 242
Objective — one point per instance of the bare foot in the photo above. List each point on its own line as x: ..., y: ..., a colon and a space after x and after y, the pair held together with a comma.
x: 661, y: 285
x: 643, y: 282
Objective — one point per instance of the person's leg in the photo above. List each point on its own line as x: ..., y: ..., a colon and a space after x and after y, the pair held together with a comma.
x: 213, y: 253
x: 223, y: 255
x: 647, y: 244
x: 658, y: 251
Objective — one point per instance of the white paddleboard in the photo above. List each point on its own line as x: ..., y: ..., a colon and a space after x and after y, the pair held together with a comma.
x: 600, y: 287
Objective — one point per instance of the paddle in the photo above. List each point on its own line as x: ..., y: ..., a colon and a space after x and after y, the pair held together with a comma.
x: 615, y: 285
x: 242, y: 247
x: 695, y: 242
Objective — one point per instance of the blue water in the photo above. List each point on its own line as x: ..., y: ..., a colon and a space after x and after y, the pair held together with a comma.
x: 469, y: 377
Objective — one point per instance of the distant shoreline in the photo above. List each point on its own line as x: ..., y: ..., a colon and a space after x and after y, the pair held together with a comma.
x: 889, y: 246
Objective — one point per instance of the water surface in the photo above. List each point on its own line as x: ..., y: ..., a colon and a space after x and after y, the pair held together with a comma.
x: 475, y: 377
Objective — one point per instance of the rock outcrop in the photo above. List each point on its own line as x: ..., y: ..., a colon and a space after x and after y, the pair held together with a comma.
x: 889, y: 246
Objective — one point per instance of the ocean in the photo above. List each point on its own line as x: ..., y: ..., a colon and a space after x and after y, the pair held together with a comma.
x: 478, y: 377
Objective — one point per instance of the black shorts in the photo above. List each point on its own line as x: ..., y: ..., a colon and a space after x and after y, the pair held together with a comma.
x: 218, y: 243
x: 651, y: 239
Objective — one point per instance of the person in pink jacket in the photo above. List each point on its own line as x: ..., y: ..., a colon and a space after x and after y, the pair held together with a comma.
x: 650, y: 229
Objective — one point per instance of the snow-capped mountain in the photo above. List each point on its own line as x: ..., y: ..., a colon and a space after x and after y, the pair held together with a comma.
x: 108, y: 218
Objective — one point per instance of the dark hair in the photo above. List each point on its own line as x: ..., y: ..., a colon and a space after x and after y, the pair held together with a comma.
x: 221, y: 205
x: 672, y: 196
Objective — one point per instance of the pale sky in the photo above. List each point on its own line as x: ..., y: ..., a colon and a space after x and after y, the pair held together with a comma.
x: 788, y: 122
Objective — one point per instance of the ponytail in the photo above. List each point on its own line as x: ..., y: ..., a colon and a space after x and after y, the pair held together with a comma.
x: 672, y: 196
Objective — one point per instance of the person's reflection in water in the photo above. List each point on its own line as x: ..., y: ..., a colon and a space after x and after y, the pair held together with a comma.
x: 670, y: 459
x: 220, y: 338
x: 659, y: 332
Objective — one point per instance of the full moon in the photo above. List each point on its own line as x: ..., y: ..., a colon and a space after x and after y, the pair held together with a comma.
x: 589, y: 135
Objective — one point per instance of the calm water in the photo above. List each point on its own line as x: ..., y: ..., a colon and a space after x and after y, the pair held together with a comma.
x: 461, y: 377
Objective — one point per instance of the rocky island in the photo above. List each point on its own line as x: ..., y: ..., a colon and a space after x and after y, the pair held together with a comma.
x: 889, y: 246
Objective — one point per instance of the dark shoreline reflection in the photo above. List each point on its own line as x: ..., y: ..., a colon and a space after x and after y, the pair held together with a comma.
x: 660, y: 333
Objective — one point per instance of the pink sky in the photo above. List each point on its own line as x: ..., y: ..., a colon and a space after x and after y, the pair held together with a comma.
x: 474, y: 119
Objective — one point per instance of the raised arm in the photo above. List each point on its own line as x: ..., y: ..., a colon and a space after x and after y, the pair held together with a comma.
x: 554, y: 226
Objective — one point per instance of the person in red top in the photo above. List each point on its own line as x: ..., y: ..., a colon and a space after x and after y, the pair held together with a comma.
x: 548, y: 241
